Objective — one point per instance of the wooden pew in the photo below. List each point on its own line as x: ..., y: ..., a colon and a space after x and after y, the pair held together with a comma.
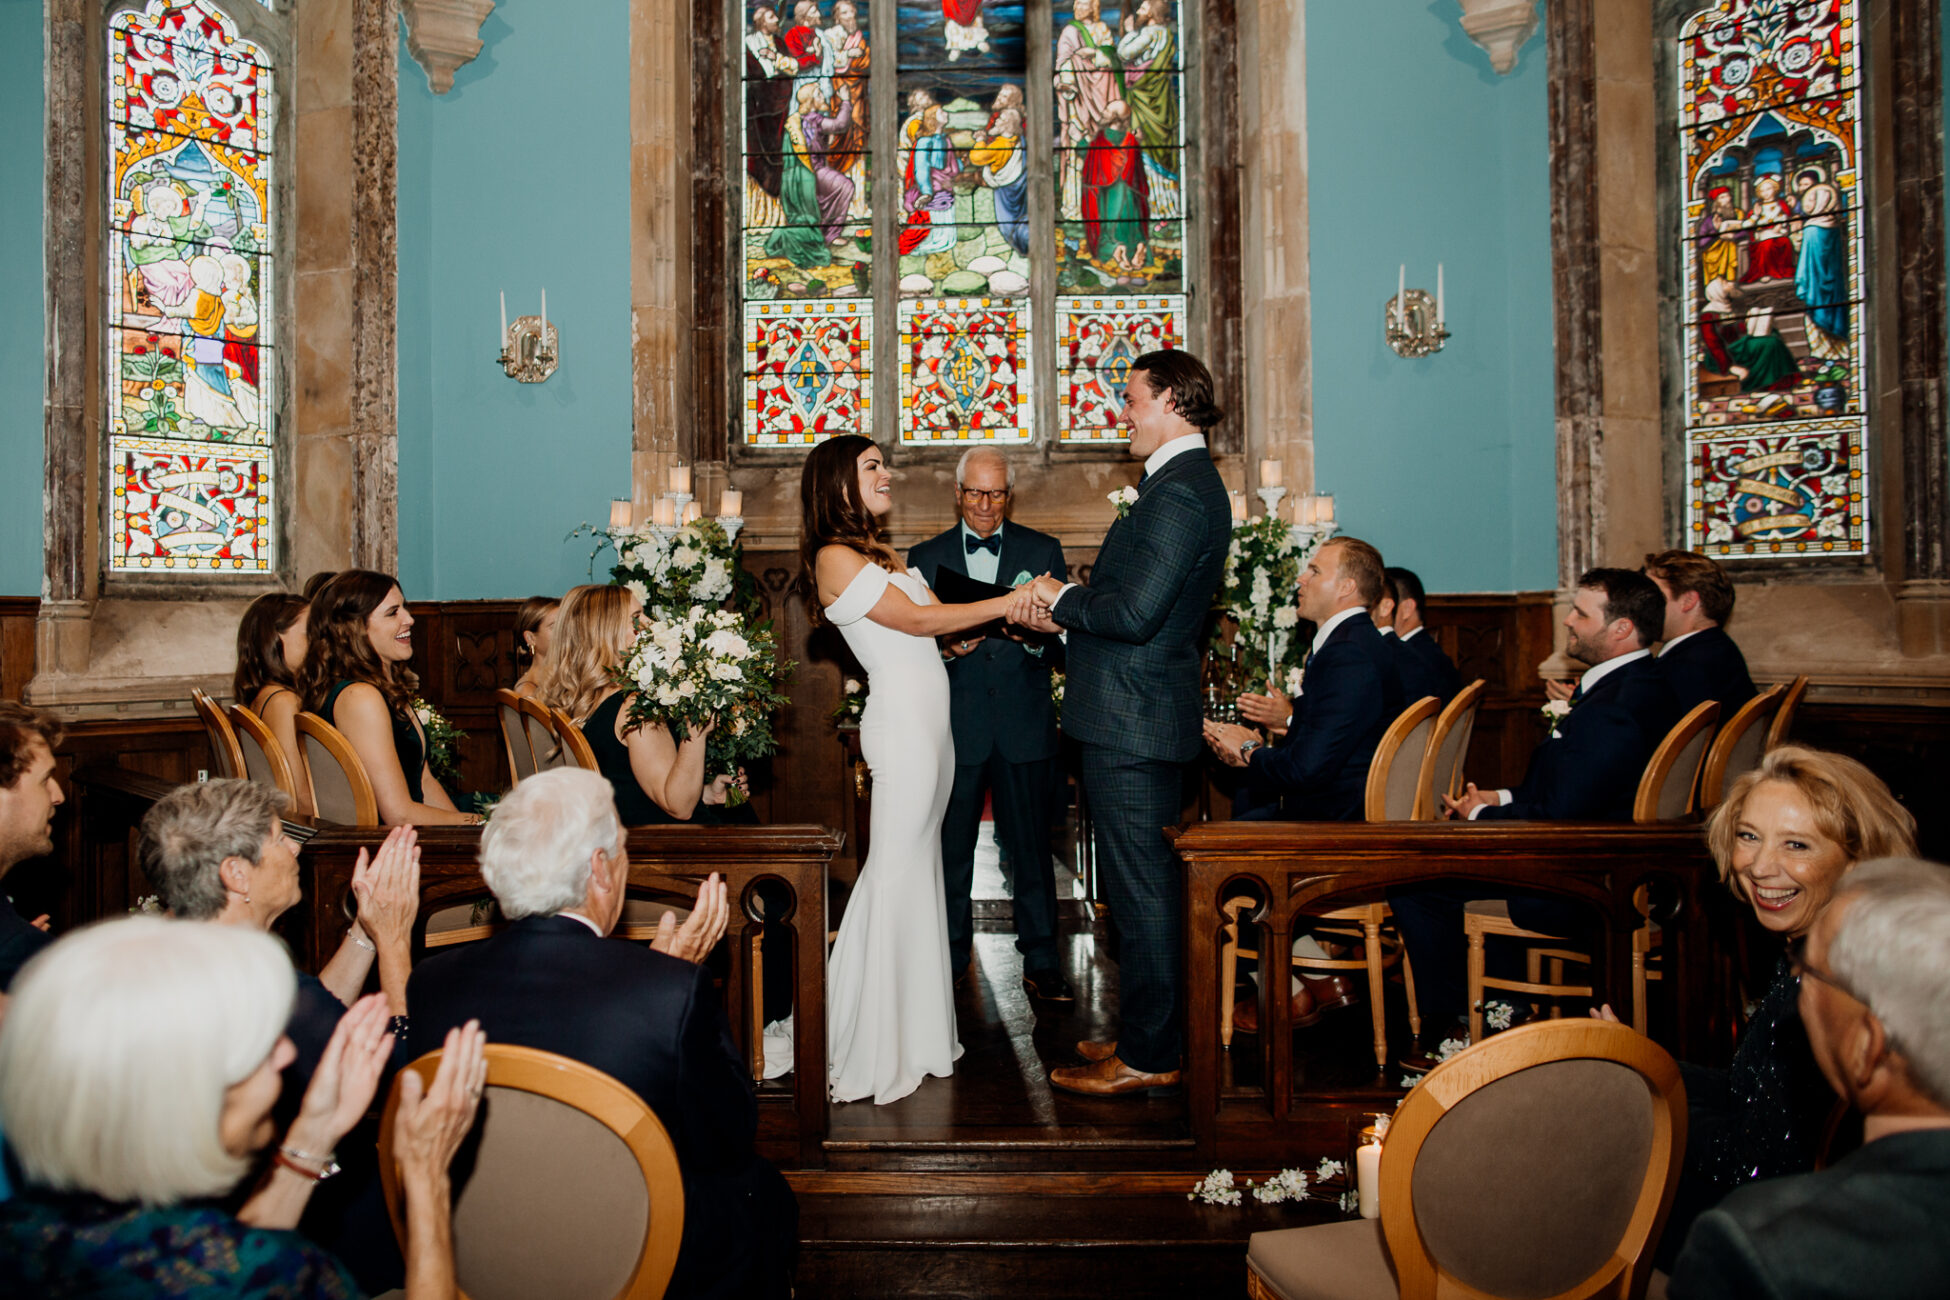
x: 1298, y: 867
x: 668, y: 862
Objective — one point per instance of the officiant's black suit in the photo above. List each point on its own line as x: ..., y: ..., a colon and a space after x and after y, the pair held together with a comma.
x: 1318, y: 771
x: 656, y: 1025
x: 1004, y: 726
x: 1708, y: 666
x: 1137, y: 634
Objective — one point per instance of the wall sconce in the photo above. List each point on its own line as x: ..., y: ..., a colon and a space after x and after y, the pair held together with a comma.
x: 1413, y: 319
x: 528, y: 352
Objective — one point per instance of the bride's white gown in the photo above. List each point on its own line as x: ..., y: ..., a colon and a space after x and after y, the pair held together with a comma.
x: 890, y: 996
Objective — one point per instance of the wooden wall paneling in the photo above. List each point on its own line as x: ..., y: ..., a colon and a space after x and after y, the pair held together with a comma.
x: 1906, y: 746
x: 1500, y: 638
x: 463, y: 651
x: 17, y: 614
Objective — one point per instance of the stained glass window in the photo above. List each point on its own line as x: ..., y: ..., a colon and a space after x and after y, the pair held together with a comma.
x: 192, y: 394
x: 1022, y: 234
x: 1775, y: 360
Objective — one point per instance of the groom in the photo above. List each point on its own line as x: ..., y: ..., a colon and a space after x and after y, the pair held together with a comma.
x: 1134, y: 639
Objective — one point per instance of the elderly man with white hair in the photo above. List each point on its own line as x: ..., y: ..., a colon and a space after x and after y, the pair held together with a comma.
x: 555, y: 857
x: 1875, y: 999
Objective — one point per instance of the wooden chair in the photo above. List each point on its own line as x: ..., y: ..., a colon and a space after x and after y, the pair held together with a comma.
x: 571, y: 740
x: 1394, y: 777
x: 1784, y: 720
x: 574, y: 1193
x: 1739, y: 747
x: 539, y: 724
x: 1442, y: 766
x: 1666, y: 790
x: 1540, y: 1163
x: 226, y: 755
x: 514, y: 735
x: 264, y: 758
x: 340, y: 789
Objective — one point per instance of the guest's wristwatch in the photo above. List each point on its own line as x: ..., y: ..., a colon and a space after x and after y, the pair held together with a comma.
x: 1246, y: 748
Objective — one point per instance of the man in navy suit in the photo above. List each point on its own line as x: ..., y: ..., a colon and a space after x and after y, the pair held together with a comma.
x: 1135, y: 644
x: 555, y: 860
x: 1699, y: 659
x: 1588, y: 770
x: 1350, y: 692
x: 1004, y: 724
x: 1874, y: 980
x: 1425, y: 669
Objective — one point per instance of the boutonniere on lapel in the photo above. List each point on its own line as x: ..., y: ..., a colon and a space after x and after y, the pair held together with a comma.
x: 1124, y: 498
x: 1552, y: 713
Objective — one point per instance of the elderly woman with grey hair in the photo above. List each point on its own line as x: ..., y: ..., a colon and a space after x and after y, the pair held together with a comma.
x: 217, y: 851
x: 139, y: 1061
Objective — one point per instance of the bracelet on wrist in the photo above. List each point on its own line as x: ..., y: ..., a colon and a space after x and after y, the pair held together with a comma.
x: 298, y: 1161
x: 359, y: 937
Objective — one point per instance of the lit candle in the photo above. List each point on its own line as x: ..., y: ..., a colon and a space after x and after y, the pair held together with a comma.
x: 1367, y: 1180
x: 664, y: 513
x: 680, y: 478
x: 503, y: 341
x: 544, y: 330
x: 731, y: 503
x: 1238, y: 505
x: 692, y: 512
x: 1324, y: 508
x: 1270, y: 473
x: 1438, y: 295
x: 1303, y: 510
x: 1401, y: 295
x: 619, y: 514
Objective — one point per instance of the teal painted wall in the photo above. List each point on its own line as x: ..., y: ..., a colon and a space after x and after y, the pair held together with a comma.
x: 516, y: 179
x: 1419, y: 153
x: 22, y: 347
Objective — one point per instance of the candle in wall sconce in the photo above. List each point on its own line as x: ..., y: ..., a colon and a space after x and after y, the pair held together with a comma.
x: 692, y: 512
x: 664, y: 513
x: 1271, y: 473
x: 619, y: 515
x: 501, y: 343
x: 680, y: 478
x: 1439, y: 317
x: 545, y: 317
x: 731, y: 503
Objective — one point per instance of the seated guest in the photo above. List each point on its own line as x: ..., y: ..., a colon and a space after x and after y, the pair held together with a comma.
x: 1699, y: 659
x: 555, y: 859
x: 1318, y: 771
x: 1425, y: 669
x: 270, y: 646
x: 217, y: 851
x: 29, y: 794
x: 355, y: 677
x: 1875, y: 982
x: 1589, y: 768
x: 316, y: 583
x: 1785, y: 838
x: 656, y: 779
x: 534, y: 625
x: 139, y: 1062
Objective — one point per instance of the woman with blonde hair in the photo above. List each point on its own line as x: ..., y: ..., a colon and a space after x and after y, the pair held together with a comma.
x: 534, y: 628
x: 1783, y: 839
x: 657, y: 779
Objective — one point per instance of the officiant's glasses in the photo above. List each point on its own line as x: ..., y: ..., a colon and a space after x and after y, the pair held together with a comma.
x: 995, y: 496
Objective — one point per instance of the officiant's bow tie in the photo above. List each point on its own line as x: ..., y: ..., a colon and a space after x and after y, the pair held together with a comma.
x: 992, y: 543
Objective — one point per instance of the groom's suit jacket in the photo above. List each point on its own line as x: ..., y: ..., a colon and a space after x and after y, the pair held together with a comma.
x: 1138, y: 630
x: 998, y: 697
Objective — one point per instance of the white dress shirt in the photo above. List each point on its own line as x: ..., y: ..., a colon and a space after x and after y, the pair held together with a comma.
x: 577, y: 916
x: 1412, y: 633
x: 1676, y: 640
x: 1592, y: 676
x: 982, y: 565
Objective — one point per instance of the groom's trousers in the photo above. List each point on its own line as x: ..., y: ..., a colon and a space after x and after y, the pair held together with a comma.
x: 1132, y: 800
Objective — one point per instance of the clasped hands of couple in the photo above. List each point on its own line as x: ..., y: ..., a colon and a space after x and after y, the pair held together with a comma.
x: 1028, y: 610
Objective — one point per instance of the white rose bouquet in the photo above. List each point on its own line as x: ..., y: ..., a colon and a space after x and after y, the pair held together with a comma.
x: 685, y: 670
x: 1257, y: 594
x: 695, y: 565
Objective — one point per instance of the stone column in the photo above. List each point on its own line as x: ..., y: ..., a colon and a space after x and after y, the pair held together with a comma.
x: 374, y: 426
x: 660, y: 240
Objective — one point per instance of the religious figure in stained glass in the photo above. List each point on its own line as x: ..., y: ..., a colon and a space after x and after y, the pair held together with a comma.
x: 189, y: 292
x: 1769, y: 127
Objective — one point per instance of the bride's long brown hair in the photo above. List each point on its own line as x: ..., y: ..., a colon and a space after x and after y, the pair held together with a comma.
x: 831, y: 512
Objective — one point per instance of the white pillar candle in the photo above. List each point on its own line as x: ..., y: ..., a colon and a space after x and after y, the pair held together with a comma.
x: 1367, y: 1180
x: 680, y: 478
x: 1238, y: 505
x: 664, y: 513
x: 544, y: 318
x: 503, y: 341
x: 1324, y: 508
x: 1401, y: 293
x: 692, y: 512
x: 1303, y: 510
x: 619, y: 514
x: 1271, y: 472
x: 1438, y: 295
x: 731, y: 503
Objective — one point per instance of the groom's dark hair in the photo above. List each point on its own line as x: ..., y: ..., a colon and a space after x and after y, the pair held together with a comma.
x: 1185, y: 377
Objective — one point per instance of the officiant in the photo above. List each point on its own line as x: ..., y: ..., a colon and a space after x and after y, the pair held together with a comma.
x: 1003, y: 720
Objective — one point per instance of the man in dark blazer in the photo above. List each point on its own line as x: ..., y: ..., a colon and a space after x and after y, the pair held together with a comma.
x: 1587, y: 770
x: 29, y: 794
x: 1874, y: 977
x: 1136, y: 636
x: 1699, y: 660
x: 1351, y: 692
x: 1004, y: 724
x: 1425, y: 668
x: 554, y: 858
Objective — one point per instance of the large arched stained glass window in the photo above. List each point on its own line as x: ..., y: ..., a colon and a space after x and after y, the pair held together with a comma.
x: 1030, y: 227
x: 192, y: 398
x: 1775, y: 353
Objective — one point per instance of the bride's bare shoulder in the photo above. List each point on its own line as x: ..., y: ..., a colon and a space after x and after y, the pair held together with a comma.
x: 839, y: 563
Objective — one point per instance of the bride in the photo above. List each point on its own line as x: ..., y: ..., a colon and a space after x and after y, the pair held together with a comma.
x: 890, y: 995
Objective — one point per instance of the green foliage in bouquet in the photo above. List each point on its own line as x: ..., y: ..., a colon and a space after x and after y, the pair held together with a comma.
x: 697, y: 565
x: 1262, y: 571
x: 443, y: 740
x: 685, y: 670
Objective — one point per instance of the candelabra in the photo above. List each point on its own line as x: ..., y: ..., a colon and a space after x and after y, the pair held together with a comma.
x: 528, y: 350
x: 1414, y: 322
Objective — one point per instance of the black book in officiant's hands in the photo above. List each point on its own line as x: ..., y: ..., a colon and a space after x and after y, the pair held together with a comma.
x: 953, y: 588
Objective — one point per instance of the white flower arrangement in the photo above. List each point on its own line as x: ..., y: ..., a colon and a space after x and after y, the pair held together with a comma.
x: 695, y: 565
x: 1216, y: 1188
x: 707, y: 664
x: 1262, y: 571
x: 1294, y: 676
x: 1447, y: 1048
x: 1329, y: 1169
x: 1498, y: 1015
x: 149, y: 905
x: 1287, y: 1185
x: 1124, y: 498
x: 853, y: 701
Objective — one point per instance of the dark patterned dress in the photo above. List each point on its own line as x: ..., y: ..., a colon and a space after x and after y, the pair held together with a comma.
x: 77, y: 1247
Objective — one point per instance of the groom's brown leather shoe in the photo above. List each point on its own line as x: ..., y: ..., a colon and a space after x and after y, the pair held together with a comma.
x: 1112, y: 1078
x: 1093, y: 1051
